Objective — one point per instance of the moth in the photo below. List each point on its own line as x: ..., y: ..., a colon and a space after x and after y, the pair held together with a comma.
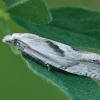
x: 57, y: 54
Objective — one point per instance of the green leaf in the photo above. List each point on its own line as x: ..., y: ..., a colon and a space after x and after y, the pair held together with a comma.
x: 76, y: 27
x: 73, y: 26
x: 33, y: 10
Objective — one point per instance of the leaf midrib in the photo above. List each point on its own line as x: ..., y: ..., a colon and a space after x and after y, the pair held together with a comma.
x: 15, y: 5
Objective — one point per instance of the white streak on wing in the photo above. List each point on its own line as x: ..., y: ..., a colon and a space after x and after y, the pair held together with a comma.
x: 49, y: 56
x: 86, y: 69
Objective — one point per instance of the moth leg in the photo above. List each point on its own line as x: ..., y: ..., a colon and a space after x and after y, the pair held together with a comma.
x: 48, y: 67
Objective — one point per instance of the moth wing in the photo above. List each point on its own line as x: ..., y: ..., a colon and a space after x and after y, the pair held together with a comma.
x: 85, y: 69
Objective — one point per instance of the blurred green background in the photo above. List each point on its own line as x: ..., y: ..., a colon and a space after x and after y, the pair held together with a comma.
x: 17, y: 82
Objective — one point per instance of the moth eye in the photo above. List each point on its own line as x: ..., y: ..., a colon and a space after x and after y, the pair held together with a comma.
x: 14, y: 42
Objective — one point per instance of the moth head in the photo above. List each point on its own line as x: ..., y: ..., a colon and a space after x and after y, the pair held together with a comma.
x: 21, y: 41
x: 14, y: 40
x: 9, y: 39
